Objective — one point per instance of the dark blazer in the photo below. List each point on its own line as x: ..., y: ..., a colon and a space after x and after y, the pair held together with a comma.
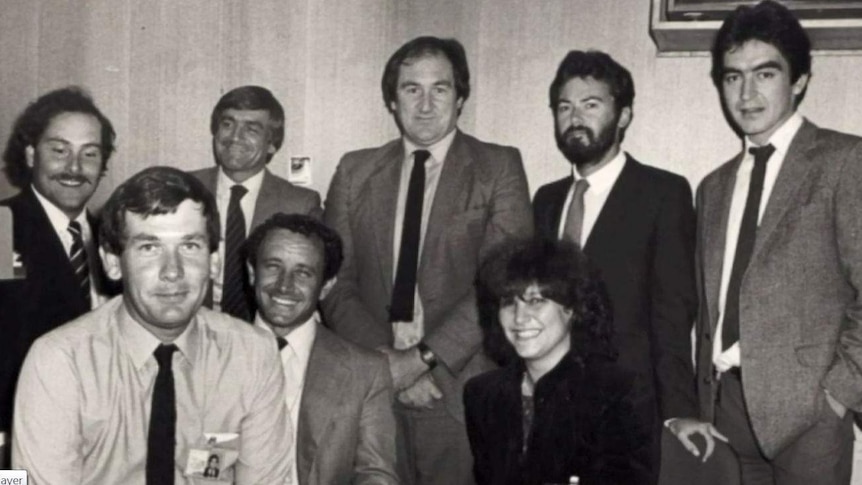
x: 643, y: 245
x: 346, y: 426
x: 46, y: 298
x: 481, y: 200
x: 587, y: 423
x: 800, y: 300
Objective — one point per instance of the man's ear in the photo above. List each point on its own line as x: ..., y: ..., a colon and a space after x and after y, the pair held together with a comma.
x: 111, y: 263
x: 625, y: 118
x: 30, y: 155
x: 250, y: 272
x: 214, y: 265
x: 327, y: 287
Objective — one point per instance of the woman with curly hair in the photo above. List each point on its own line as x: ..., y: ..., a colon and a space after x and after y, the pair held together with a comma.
x: 560, y: 407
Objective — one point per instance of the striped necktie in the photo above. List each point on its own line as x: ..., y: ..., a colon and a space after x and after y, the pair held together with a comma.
x: 234, y: 299
x: 78, y: 258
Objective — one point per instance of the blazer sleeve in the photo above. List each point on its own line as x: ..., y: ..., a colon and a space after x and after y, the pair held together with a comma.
x: 510, y: 217
x: 375, y: 452
x: 343, y: 303
x: 843, y: 379
x: 674, y: 301
x: 473, y: 413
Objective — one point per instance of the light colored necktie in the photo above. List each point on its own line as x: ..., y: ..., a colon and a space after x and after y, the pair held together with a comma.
x: 575, y: 219
x: 78, y: 257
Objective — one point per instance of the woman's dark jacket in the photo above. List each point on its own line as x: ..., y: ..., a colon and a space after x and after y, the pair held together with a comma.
x: 587, y: 423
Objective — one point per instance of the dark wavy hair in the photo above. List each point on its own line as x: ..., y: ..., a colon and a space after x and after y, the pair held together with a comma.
x: 307, y: 226
x: 768, y: 22
x: 422, y: 47
x: 33, y: 122
x: 252, y: 98
x: 155, y: 191
x: 563, y: 274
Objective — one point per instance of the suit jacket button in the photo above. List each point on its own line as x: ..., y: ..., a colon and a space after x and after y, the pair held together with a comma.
x: 706, y: 337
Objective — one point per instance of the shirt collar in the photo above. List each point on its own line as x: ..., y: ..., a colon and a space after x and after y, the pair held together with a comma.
x: 252, y: 183
x: 783, y: 136
x: 59, y: 220
x: 604, y: 178
x: 438, y: 150
x: 141, y: 344
x: 300, y: 338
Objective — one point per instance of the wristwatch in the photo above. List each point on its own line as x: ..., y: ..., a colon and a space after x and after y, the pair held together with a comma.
x: 427, y: 355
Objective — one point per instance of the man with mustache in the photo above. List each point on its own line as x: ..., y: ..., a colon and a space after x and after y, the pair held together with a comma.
x: 56, y: 155
x: 247, y: 125
x: 150, y: 384
x: 635, y: 222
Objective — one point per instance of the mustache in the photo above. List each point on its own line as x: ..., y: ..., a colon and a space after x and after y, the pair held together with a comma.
x: 573, y: 130
x: 70, y: 177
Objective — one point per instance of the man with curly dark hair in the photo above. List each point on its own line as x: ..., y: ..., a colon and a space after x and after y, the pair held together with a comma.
x: 56, y: 156
x: 561, y: 407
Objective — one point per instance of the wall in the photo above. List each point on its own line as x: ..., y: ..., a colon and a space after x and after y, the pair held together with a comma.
x: 157, y: 68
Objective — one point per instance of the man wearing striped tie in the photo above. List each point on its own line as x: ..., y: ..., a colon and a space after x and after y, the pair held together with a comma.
x: 56, y: 156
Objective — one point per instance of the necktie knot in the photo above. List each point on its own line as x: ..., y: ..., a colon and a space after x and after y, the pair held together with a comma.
x: 282, y: 342
x: 581, y: 187
x: 237, y: 192
x: 163, y: 354
x: 421, y: 156
x: 762, y: 154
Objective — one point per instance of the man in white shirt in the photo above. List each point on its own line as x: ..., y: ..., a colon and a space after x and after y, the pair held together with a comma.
x: 634, y: 222
x: 247, y: 125
x: 779, y: 267
x: 56, y: 155
x: 339, y: 395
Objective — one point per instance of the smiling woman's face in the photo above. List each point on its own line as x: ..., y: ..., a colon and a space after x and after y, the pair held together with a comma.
x: 537, y: 327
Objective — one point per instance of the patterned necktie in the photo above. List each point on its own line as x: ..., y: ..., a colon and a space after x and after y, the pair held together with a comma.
x: 744, y: 245
x: 78, y: 258
x: 234, y: 298
x: 404, y: 289
x: 575, y: 218
x: 161, y: 438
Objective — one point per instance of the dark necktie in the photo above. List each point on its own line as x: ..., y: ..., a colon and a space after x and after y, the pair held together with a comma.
x: 282, y: 342
x: 161, y: 439
x: 78, y: 258
x: 575, y: 218
x: 234, y: 297
x: 403, y: 292
x: 744, y: 245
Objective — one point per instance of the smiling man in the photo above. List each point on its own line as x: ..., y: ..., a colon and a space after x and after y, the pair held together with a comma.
x: 56, y: 155
x: 416, y: 215
x: 780, y: 267
x: 150, y: 383
x: 247, y: 125
x: 634, y: 222
x: 293, y: 260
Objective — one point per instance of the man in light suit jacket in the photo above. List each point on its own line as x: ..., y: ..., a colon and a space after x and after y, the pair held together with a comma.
x: 413, y: 236
x: 247, y: 125
x: 56, y: 155
x: 779, y: 338
x: 339, y: 395
x: 635, y: 223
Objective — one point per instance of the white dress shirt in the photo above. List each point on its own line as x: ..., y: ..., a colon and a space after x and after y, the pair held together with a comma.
x: 781, y: 141
x: 60, y: 223
x: 246, y: 204
x: 408, y: 334
x: 601, y: 182
x: 294, y: 361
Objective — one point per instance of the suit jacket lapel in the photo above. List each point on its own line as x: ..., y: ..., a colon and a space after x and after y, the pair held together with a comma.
x: 554, y: 211
x: 449, y: 198
x: 714, y: 214
x: 384, y: 197
x: 325, y: 377
x: 267, y: 199
x: 793, y: 172
x: 616, y: 206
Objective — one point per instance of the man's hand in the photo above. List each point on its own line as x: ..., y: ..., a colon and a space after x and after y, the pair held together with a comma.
x: 421, y: 394
x: 406, y: 366
x: 684, y: 428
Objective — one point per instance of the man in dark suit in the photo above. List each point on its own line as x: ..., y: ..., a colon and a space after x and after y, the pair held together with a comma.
x: 293, y: 260
x: 416, y: 215
x: 56, y: 155
x: 779, y: 265
x: 247, y: 125
x: 635, y: 223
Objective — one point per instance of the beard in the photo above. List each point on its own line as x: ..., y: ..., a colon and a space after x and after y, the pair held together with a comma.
x: 583, y: 147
